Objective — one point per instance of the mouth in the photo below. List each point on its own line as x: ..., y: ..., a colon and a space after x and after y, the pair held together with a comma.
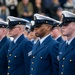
x: 36, y: 33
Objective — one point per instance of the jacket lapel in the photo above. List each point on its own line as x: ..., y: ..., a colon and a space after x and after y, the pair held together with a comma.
x: 3, y: 41
x: 42, y: 46
x: 70, y: 47
x: 62, y: 51
x: 36, y: 51
x: 13, y: 46
x: 60, y: 39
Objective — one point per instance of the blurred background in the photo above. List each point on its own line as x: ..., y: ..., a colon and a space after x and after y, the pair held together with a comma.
x: 27, y: 8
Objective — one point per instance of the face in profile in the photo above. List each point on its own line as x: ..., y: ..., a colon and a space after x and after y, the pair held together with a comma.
x: 42, y: 30
x: 13, y: 32
x: 68, y: 29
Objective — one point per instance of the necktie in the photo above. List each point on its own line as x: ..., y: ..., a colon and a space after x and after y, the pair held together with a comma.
x: 38, y: 44
x: 66, y: 46
x: 12, y: 44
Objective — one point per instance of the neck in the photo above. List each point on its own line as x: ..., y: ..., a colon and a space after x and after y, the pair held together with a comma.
x: 45, y: 35
x: 17, y: 35
x: 57, y: 36
x: 70, y: 36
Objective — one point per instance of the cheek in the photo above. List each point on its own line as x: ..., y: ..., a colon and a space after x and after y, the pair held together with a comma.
x: 42, y: 31
x: 37, y: 30
x: 15, y: 31
x: 11, y: 32
x: 70, y: 30
x: 1, y: 32
x: 51, y: 33
x: 67, y: 30
x: 54, y: 32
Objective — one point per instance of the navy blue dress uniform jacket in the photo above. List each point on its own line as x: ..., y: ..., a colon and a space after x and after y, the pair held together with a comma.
x: 18, y: 60
x: 60, y: 40
x: 44, y: 59
x: 4, y: 46
x: 67, y: 59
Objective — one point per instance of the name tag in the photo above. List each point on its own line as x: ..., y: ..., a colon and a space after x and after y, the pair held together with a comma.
x: 58, y: 58
x: 60, y: 52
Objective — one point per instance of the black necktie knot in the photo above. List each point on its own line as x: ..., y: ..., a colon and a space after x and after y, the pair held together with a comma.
x: 67, y: 44
x: 38, y: 43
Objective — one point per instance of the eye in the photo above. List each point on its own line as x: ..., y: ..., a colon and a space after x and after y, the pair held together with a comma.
x: 38, y: 26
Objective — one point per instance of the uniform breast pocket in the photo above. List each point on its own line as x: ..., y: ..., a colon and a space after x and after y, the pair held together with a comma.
x: 15, y: 56
x: 72, y: 59
x: 3, y: 59
x: 72, y: 63
x: 16, y: 59
x: 43, y: 57
x: 1, y: 56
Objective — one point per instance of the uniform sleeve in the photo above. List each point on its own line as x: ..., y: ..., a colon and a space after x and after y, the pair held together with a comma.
x: 55, y: 62
x: 27, y: 49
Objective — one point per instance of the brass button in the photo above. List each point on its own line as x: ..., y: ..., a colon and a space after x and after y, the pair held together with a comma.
x: 40, y: 57
x: 31, y: 68
x: 62, y: 65
x: 8, y: 60
x: 8, y: 67
x: 8, y: 50
x: 9, y: 54
x: 15, y: 56
x: 61, y: 72
x: 7, y: 73
x: 70, y: 60
x: 63, y: 58
x: 32, y: 62
x: 33, y: 56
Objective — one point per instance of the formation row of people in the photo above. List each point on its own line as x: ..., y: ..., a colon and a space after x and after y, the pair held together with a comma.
x: 50, y: 55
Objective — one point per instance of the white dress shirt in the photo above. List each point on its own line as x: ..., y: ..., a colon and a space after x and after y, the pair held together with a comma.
x: 69, y: 41
x: 16, y: 39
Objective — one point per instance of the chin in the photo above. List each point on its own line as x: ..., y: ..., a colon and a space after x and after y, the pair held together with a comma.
x: 36, y: 34
x: 63, y: 34
x: 10, y: 35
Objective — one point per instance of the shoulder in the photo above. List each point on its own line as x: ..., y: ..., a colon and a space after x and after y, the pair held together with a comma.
x: 61, y: 44
x: 8, y: 40
x: 25, y: 41
x: 55, y: 43
x: 7, y: 43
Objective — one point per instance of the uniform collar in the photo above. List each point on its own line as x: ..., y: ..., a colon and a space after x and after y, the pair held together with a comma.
x: 57, y: 37
x: 68, y: 42
x: 16, y: 39
x: 3, y: 39
x: 41, y: 40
